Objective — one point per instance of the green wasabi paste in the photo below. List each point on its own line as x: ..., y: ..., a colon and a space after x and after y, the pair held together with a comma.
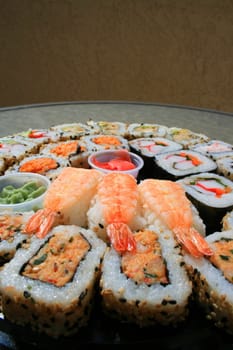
x: 13, y: 195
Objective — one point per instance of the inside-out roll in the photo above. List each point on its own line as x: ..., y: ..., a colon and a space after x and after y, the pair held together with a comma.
x: 149, y: 286
x: 50, y: 286
x: 213, y: 279
x: 12, y: 236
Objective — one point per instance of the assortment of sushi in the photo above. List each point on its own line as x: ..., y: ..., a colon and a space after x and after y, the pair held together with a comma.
x: 146, y: 246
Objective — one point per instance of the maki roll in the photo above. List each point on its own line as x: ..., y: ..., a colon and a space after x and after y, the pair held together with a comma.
x: 13, y: 150
x: 149, y: 147
x: 212, y: 280
x: 212, y: 195
x: 109, y: 128
x: 214, y: 149
x: 39, y: 136
x: 186, y: 137
x: 72, y: 131
x: 12, y: 236
x: 50, y: 286
x: 147, y: 286
x: 69, y: 150
x: 225, y: 166
x: 47, y: 165
x: 178, y: 164
x: 101, y: 142
x: 136, y: 130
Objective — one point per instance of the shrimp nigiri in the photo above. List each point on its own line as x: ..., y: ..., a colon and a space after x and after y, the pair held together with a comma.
x: 114, y: 209
x: 66, y: 201
x: 168, y: 202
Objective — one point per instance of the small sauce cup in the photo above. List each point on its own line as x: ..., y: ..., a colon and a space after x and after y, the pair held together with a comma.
x: 109, y: 155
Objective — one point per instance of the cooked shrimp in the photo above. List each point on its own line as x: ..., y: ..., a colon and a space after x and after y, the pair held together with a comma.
x: 117, y: 199
x: 168, y: 202
x: 66, y: 201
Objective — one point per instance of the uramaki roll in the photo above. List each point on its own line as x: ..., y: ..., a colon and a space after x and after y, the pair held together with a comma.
x: 213, y: 280
x: 50, y: 286
x: 149, y: 286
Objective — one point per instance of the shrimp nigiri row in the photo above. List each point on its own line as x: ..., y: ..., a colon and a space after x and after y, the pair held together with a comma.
x: 114, y: 205
x: 166, y: 200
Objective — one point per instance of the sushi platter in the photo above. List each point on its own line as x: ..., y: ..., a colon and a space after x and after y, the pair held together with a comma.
x: 68, y: 275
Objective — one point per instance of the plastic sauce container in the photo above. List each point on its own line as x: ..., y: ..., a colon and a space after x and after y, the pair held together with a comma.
x: 102, y: 161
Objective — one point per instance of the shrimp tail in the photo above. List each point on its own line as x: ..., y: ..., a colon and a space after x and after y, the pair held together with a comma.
x: 193, y: 242
x: 41, y: 222
x: 121, y: 237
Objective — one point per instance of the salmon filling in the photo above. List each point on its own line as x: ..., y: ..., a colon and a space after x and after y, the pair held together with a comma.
x: 146, y: 265
x: 57, y: 261
x: 65, y: 149
x: 223, y: 257
x: 40, y: 165
x: 9, y: 225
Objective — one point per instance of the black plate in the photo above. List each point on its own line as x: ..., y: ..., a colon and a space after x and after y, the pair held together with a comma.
x: 194, y: 333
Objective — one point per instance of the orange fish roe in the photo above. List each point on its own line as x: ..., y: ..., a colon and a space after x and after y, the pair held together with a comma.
x: 65, y: 149
x: 39, y: 165
x: 107, y: 140
x: 146, y: 264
